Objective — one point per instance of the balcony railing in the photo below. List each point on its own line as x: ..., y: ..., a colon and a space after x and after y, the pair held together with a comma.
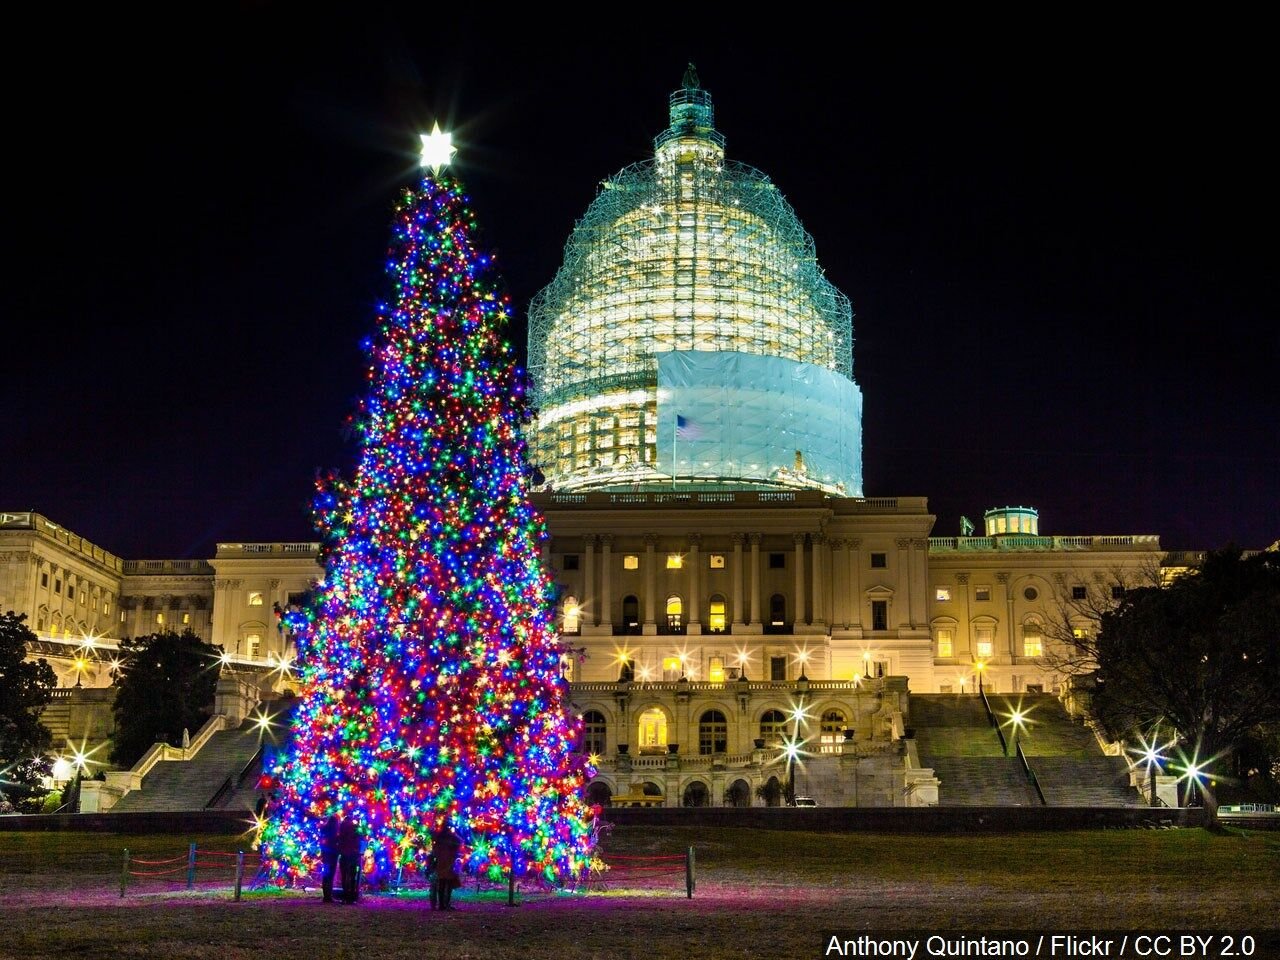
x: 1016, y: 542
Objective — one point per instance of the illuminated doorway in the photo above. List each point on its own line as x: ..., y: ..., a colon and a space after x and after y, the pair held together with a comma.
x: 653, y: 731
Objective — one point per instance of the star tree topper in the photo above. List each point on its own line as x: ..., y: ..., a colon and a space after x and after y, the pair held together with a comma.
x: 437, y: 149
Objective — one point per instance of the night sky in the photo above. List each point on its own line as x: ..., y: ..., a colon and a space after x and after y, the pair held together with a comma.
x: 1058, y: 239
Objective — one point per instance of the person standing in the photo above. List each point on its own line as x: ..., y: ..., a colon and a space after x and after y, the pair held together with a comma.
x: 329, y: 833
x: 444, y: 847
x: 349, y: 852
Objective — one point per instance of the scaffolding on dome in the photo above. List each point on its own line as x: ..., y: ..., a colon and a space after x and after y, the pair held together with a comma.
x: 686, y: 252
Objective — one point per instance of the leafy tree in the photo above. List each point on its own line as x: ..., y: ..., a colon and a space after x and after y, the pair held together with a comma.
x: 1197, y: 658
x: 166, y: 683
x: 25, y: 688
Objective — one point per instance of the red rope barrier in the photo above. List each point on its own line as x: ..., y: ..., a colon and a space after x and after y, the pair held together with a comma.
x: 619, y: 856
x: 155, y: 873
x: 214, y: 853
x: 158, y: 863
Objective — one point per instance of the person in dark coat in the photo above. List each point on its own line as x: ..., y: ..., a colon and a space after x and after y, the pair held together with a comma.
x: 329, y: 832
x: 444, y: 847
x: 349, y: 852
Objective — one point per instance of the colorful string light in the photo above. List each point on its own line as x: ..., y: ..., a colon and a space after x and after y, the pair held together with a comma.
x: 431, y: 668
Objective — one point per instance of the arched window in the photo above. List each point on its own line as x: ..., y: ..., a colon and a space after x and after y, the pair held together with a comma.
x: 593, y: 732
x: 771, y: 793
x: 833, y: 725
x: 773, y: 727
x: 777, y: 610
x: 713, y: 733
x: 599, y: 794
x: 572, y: 615
x: 717, y: 622
x: 675, y: 614
x: 738, y: 794
x: 696, y: 794
x: 631, y: 614
x: 652, y: 732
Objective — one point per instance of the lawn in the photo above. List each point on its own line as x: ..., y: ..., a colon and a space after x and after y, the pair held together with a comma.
x: 760, y: 894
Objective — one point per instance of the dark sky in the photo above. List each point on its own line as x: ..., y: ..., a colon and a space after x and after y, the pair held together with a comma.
x: 1059, y: 242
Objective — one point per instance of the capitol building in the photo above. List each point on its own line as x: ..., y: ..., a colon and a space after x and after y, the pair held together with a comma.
x: 742, y: 623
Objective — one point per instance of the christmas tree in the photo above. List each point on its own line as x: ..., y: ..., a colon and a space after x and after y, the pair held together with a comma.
x: 432, y: 687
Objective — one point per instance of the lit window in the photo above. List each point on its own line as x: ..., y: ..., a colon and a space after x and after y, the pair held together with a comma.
x: 715, y: 670
x: 833, y: 725
x: 879, y: 560
x: 631, y: 562
x: 671, y: 668
x: 122, y: 616
x: 984, y: 641
x: 255, y: 599
x: 566, y: 667
x: 160, y: 618
x: 1080, y: 633
x: 572, y: 615
x: 1032, y: 640
x: 84, y: 598
x: 106, y: 607
x: 251, y: 644
x: 942, y: 593
x: 716, y: 619
x: 675, y: 614
x: 717, y: 561
x: 946, y: 645
x: 674, y: 561
x: 186, y: 618
x: 1079, y: 593
x: 982, y: 593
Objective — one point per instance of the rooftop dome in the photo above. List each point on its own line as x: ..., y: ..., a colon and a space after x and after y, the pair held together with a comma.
x: 690, y: 337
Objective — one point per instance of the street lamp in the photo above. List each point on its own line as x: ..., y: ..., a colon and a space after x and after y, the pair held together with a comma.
x: 1017, y: 720
x: 978, y: 668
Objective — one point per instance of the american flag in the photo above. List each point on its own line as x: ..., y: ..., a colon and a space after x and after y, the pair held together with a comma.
x: 687, y: 429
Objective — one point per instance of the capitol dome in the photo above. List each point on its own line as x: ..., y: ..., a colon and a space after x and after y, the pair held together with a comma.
x: 690, y: 338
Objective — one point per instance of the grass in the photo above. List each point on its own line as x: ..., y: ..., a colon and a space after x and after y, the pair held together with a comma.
x: 760, y: 894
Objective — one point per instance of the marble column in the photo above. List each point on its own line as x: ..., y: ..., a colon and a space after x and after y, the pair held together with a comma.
x: 650, y: 626
x: 587, y: 603
x: 755, y: 579
x: 604, y: 609
x: 854, y: 547
x: 695, y: 569
x: 819, y: 594
x: 799, y: 615
x: 737, y: 578
x: 902, y: 610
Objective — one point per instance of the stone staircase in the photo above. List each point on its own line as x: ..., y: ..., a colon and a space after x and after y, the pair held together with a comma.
x: 183, y: 785
x: 1094, y: 782
x: 57, y: 717
x: 982, y: 782
x: 955, y: 738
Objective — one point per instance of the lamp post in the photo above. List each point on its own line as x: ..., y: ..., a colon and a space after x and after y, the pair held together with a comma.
x: 793, y: 748
x: 1017, y: 720
x: 978, y: 668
